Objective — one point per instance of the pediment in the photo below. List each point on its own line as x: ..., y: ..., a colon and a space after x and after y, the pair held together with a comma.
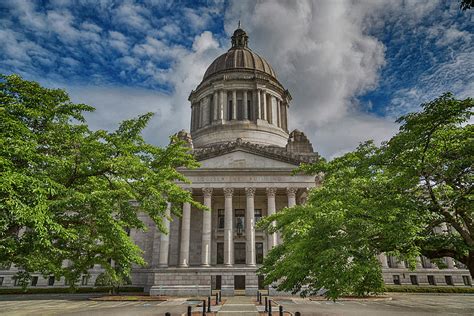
x: 240, y: 159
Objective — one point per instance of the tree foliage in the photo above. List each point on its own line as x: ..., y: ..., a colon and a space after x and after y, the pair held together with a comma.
x: 391, y: 198
x: 66, y: 191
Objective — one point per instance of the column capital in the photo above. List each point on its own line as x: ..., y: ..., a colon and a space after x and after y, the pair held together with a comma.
x: 291, y: 191
x: 250, y: 192
x: 228, y: 192
x: 207, y: 192
x: 271, y: 192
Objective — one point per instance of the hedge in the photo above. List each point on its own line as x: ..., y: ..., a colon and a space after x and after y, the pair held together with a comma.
x: 58, y: 290
x: 428, y: 289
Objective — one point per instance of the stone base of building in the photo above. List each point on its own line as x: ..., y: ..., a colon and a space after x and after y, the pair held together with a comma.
x: 201, y: 281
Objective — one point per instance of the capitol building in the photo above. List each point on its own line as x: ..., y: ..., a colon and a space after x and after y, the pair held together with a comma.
x: 239, y: 134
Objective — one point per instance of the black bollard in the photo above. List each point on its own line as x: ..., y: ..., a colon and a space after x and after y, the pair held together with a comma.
x: 208, y: 304
x: 203, y: 307
x: 260, y: 299
x: 266, y: 304
x: 269, y: 307
x: 190, y: 311
x: 297, y: 314
x: 220, y: 297
x: 280, y: 309
x: 217, y: 298
x: 258, y: 293
x: 167, y: 314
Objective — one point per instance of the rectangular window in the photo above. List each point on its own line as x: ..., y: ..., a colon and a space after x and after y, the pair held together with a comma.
x: 220, y: 219
x: 465, y: 278
x: 51, y: 280
x: 431, y: 280
x: 258, y: 215
x: 85, y: 280
x: 449, y: 280
x: 220, y: 253
x: 1, y: 281
x: 414, y: 279
x: 34, y: 281
x: 239, y: 222
x: 239, y: 252
x: 229, y: 111
x: 259, y: 252
x: 249, y: 110
x: 396, y: 279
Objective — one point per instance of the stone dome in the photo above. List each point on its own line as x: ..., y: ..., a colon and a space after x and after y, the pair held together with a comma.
x: 239, y: 56
x: 239, y: 98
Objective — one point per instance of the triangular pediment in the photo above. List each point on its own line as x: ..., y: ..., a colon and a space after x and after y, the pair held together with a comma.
x: 240, y: 159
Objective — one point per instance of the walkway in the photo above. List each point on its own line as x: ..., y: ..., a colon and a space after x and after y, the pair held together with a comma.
x: 238, y: 305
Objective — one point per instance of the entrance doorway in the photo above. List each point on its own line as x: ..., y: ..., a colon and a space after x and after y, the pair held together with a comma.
x: 239, y: 282
x: 216, y: 281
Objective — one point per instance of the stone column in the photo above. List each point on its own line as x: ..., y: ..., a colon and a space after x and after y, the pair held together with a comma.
x: 383, y: 260
x: 206, y: 228
x: 220, y: 112
x: 271, y: 209
x: 278, y: 122
x: 257, y: 104
x: 264, y: 105
x: 215, y: 114
x: 245, y: 100
x: 291, y: 193
x: 419, y: 264
x: 234, y: 104
x: 165, y: 239
x: 250, y: 227
x: 185, y: 235
x: 228, y: 228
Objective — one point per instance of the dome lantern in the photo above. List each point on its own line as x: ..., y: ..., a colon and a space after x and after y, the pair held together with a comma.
x: 240, y: 38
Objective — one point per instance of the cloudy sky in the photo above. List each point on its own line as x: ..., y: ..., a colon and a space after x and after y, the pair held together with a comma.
x: 352, y: 67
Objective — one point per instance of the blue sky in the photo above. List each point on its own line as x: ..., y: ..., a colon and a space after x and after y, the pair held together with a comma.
x: 352, y: 66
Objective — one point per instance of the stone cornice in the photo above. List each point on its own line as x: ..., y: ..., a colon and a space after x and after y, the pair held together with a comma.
x: 271, y: 152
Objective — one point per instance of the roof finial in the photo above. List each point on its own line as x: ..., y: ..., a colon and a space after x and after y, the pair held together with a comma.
x: 239, y: 25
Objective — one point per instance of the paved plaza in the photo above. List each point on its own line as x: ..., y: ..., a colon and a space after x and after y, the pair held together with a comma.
x: 401, y: 304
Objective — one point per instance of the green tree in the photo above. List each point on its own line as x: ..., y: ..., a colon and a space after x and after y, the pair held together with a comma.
x: 70, y: 195
x: 389, y: 199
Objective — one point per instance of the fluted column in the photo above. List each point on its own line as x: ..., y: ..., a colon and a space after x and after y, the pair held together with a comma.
x: 215, y: 113
x: 250, y: 226
x: 228, y: 228
x: 258, y: 105
x: 185, y: 235
x: 291, y: 193
x: 206, y: 228
x: 234, y: 104
x: 245, y: 100
x: 383, y: 260
x: 271, y: 208
x: 220, y: 112
x: 264, y: 105
x: 278, y: 113
x: 165, y: 239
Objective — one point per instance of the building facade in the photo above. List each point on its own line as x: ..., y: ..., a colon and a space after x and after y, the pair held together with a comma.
x: 239, y: 134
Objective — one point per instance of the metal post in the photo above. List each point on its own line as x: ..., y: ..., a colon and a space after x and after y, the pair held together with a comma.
x: 167, y: 314
x: 189, y: 311
x: 217, y: 298
x: 258, y: 293
x: 280, y: 309
x: 297, y: 314
x: 208, y: 304
x: 220, y: 297
x: 260, y: 299
x: 203, y: 307
x: 266, y: 303
x: 269, y: 307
